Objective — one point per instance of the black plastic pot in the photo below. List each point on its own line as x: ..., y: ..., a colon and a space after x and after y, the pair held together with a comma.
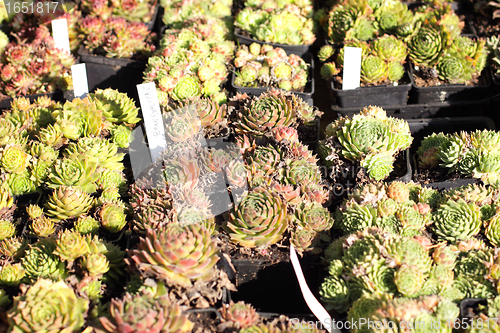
x: 451, y: 92
x: 116, y: 73
x: 289, y: 49
x: 57, y: 96
x: 469, y: 307
x: 306, y: 94
x: 377, y: 95
x: 312, y: 144
x: 152, y: 23
x: 272, y: 286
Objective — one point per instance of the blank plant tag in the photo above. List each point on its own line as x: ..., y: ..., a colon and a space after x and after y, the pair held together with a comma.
x: 352, y: 68
x: 80, y: 84
x: 153, y: 120
x: 314, y: 305
x: 60, y: 34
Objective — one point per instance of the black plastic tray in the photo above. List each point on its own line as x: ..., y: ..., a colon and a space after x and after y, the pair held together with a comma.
x: 57, y: 96
x: 116, y: 73
x: 451, y: 92
x: 308, y: 89
x: 289, y: 49
x: 377, y: 95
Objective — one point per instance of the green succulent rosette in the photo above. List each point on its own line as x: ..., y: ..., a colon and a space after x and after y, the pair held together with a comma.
x: 113, y: 216
x: 259, y: 219
x: 7, y: 229
x: 458, y: 220
x: 121, y: 135
x: 14, y: 159
x: 99, y: 152
x: 357, y: 217
x: 73, y: 171
x: 409, y: 280
x: 42, y: 226
x: 373, y: 69
x: 11, y: 275
x: 427, y: 45
x: 87, y: 225
x: 260, y: 115
x: 67, y: 202
x: 187, y: 87
x: 48, y: 307
x: 40, y: 261
x: 117, y: 107
x: 334, y: 293
x: 71, y: 245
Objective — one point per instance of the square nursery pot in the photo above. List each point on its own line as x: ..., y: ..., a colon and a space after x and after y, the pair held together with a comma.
x: 376, y: 95
x: 117, y: 73
x: 305, y: 95
x: 152, y: 24
x: 451, y: 92
x: 289, y: 49
x: 420, y: 128
x: 58, y: 96
x: 272, y: 286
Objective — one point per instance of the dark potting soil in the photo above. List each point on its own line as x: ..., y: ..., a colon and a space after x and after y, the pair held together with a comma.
x: 204, y: 322
x: 275, y: 253
x: 427, y: 176
x: 486, y: 26
x: 308, y: 133
x: 428, y: 77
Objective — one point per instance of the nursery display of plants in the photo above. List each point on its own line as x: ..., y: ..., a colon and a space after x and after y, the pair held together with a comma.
x: 249, y: 166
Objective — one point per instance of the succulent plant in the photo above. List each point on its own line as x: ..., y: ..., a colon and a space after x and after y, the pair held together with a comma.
x: 40, y: 261
x: 113, y: 216
x: 70, y: 245
x: 427, y: 45
x: 7, y: 229
x: 116, y: 37
x: 42, y: 226
x: 67, y: 202
x: 283, y: 26
x: 242, y: 315
x: 97, y: 151
x: 143, y: 312
x: 177, y: 254
x: 73, y: 171
x: 13, y: 247
x: 46, y: 299
x: 87, y: 225
x: 351, y: 20
x: 371, y: 138
x: 389, y: 48
x: 258, y: 220
x: 47, y: 71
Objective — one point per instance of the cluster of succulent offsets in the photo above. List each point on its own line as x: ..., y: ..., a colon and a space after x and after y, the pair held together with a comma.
x: 265, y: 66
x: 470, y: 154
x: 131, y: 10
x: 69, y: 152
x: 115, y: 37
x: 191, y: 62
x: 381, y: 59
x: 35, y: 67
x: 369, y: 139
x: 431, y: 31
x: 177, y: 12
x: 270, y: 22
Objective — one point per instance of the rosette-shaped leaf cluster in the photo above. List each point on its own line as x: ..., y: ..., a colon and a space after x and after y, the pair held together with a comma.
x: 144, y: 312
x: 373, y: 261
x: 258, y: 220
x: 422, y: 313
x: 242, y: 315
x: 134, y: 10
x: 351, y: 20
x: 115, y: 37
x: 260, y: 114
x: 117, y: 107
x: 396, y: 18
x: 35, y: 66
x: 48, y: 306
x: 389, y: 207
x: 289, y: 25
x: 471, y: 154
x: 177, y: 254
x: 189, y: 65
x: 265, y: 66
x: 178, y: 12
x: 372, y: 139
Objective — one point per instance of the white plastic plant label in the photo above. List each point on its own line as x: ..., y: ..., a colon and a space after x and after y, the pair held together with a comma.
x: 80, y: 83
x: 153, y: 120
x: 352, y: 68
x: 60, y: 34
x: 314, y: 305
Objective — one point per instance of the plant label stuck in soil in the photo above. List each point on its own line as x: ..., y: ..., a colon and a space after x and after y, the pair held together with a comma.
x: 153, y: 120
x: 60, y: 34
x: 352, y: 68
x: 80, y: 83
